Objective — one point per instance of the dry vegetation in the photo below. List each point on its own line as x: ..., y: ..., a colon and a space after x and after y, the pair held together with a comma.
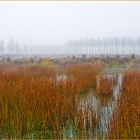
x: 105, y: 86
x: 126, y: 119
x: 35, y: 104
x: 44, y: 102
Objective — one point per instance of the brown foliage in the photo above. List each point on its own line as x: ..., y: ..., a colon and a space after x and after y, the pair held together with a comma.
x: 105, y: 87
x: 126, y: 120
x: 34, y: 102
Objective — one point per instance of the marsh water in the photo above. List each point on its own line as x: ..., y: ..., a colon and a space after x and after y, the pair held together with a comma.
x: 104, y: 111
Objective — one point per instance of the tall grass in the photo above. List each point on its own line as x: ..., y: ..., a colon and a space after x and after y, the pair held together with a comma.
x: 34, y: 104
x: 105, y: 86
x: 126, y: 119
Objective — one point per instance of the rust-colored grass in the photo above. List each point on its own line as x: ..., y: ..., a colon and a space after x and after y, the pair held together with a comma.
x: 85, y: 75
x: 126, y: 119
x: 34, y: 104
x: 105, y: 86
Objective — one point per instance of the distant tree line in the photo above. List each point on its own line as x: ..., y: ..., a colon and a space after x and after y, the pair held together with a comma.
x: 11, y: 47
x: 105, y: 45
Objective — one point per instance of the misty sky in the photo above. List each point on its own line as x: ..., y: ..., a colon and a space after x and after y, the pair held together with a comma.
x: 40, y: 23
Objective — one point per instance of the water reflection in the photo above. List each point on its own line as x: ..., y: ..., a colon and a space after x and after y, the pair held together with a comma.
x: 104, y: 108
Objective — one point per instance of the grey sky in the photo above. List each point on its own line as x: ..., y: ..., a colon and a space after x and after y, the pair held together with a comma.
x: 56, y: 22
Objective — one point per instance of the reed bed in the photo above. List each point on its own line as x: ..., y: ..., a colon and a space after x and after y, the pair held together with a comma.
x: 105, y: 86
x: 35, y: 104
x: 85, y: 75
x: 125, y: 123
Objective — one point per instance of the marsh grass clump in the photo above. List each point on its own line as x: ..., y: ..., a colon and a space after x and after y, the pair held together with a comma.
x: 105, y: 86
x: 85, y: 122
x: 84, y: 75
x: 34, y: 104
x: 125, y: 123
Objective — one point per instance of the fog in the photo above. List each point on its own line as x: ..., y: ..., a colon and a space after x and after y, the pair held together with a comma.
x: 41, y: 24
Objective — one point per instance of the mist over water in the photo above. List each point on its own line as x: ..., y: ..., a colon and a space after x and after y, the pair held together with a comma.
x: 105, y: 46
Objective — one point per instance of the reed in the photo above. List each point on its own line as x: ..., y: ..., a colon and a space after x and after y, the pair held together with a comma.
x: 126, y: 119
x: 105, y: 86
x: 35, y: 104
